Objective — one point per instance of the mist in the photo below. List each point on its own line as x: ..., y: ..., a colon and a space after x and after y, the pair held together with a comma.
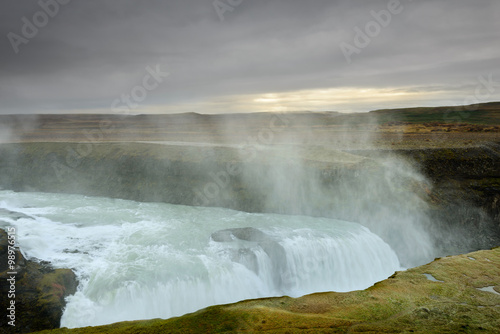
x: 288, y: 169
x: 285, y: 163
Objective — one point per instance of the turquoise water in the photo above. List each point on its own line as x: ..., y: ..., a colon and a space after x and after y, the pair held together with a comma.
x: 155, y: 260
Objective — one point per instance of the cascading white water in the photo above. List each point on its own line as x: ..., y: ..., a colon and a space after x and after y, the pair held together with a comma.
x: 154, y: 260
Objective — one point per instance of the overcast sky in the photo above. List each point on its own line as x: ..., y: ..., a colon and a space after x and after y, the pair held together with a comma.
x: 246, y: 55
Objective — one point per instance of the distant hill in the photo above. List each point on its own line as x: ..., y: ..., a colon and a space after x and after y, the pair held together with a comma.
x: 484, y: 113
x: 483, y: 119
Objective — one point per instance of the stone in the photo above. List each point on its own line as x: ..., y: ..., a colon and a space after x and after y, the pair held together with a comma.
x: 39, y: 293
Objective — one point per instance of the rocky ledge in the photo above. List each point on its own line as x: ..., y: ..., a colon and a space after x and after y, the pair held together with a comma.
x: 33, y: 293
x: 456, y: 294
x: 460, y: 202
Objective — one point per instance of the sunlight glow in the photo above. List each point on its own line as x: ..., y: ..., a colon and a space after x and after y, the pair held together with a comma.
x: 345, y: 99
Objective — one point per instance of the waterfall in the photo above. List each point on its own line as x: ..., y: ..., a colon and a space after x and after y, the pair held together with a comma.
x: 155, y: 260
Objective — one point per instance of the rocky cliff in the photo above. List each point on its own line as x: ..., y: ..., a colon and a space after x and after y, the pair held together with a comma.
x: 32, y: 292
x: 458, y: 200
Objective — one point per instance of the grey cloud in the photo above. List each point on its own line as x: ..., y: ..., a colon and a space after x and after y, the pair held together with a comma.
x: 93, y: 51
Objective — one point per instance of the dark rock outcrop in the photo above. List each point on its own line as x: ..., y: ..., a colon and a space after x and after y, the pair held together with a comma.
x: 38, y: 294
x: 243, y: 233
x: 247, y: 257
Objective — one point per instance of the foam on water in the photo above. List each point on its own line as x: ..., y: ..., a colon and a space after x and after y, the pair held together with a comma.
x: 154, y: 260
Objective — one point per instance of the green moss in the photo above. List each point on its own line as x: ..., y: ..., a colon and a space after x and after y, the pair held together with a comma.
x: 56, y: 285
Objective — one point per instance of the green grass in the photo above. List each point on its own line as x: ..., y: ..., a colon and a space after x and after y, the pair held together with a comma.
x: 484, y: 114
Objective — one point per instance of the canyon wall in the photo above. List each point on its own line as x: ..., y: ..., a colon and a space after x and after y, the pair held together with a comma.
x: 451, y: 193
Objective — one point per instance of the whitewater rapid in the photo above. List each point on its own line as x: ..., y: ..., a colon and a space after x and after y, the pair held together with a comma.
x: 155, y: 260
